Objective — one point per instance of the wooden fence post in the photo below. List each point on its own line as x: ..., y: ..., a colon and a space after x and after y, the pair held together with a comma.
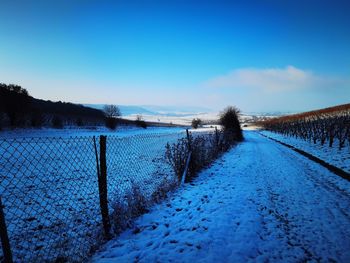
x: 102, y: 186
x: 5, y: 242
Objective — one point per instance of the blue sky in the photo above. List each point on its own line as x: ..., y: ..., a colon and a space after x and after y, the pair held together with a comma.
x: 259, y: 55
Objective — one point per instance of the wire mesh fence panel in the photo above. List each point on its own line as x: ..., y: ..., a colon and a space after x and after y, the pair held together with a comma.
x: 137, y: 169
x: 49, y: 190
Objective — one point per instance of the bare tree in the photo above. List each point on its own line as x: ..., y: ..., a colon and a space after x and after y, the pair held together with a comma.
x: 112, y: 113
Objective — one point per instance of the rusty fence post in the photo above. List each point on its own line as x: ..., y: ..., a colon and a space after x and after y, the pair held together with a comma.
x: 5, y: 242
x: 102, y: 186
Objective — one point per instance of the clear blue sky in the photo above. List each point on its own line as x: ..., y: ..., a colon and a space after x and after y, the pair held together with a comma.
x: 258, y: 55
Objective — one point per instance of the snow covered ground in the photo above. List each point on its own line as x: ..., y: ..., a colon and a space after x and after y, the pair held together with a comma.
x: 260, y: 202
x: 181, y: 120
x: 48, y: 183
x: 121, y: 131
x: 331, y: 155
x: 186, y: 119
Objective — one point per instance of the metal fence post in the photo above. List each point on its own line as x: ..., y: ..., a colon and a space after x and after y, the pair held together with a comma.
x: 189, y: 140
x: 217, y: 139
x: 190, y: 154
x: 183, y: 179
x: 5, y: 242
x: 102, y: 186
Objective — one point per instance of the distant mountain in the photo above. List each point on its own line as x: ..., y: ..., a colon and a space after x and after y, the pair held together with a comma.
x: 177, y: 110
x: 125, y: 109
x: 171, y: 111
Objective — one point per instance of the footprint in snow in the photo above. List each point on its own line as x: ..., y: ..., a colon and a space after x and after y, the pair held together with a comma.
x: 136, y: 230
x: 149, y: 244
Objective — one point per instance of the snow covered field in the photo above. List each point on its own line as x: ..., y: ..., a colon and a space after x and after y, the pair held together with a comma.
x: 121, y: 131
x: 49, y: 184
x: 331, y: 155
x: 260, y: 202
x: 187, y: 118
x: 181, y: 120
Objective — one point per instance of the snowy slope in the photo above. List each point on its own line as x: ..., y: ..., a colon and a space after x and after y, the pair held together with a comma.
x: 259, y: 202
x: 332, y: 155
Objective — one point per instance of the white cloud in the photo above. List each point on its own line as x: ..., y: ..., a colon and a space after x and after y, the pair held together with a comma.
x: 273, y: 79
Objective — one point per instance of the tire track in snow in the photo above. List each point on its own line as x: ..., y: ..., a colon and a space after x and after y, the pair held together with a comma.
x: 309, y: 180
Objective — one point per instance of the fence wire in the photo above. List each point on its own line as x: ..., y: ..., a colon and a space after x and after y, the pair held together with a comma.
x: 49, y: 189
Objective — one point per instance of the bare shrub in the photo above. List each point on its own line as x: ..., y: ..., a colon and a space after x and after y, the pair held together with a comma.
x: 163, y: 189
x: 229, y: 119
x: 140, y: 122
x: 135, y: 203
x: 204, y: 149
x: 124, y: 211
x: 196, y: 122
x: 176, y: 154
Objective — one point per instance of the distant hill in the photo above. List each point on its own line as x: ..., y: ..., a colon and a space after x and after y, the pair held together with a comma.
x: 66, y: 109
x: 171, y: 111
x: 342, y: 109
x: 18, y: 108
x: 125, y: 109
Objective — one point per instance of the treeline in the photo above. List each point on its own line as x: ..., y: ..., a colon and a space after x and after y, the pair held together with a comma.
x: 325, y: 126
x: 19, y: 109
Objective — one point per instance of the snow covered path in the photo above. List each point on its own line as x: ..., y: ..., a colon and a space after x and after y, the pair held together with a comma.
x: 261, y: 201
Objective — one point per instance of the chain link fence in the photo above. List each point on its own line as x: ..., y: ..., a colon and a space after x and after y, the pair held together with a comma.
x: 51, y: 191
